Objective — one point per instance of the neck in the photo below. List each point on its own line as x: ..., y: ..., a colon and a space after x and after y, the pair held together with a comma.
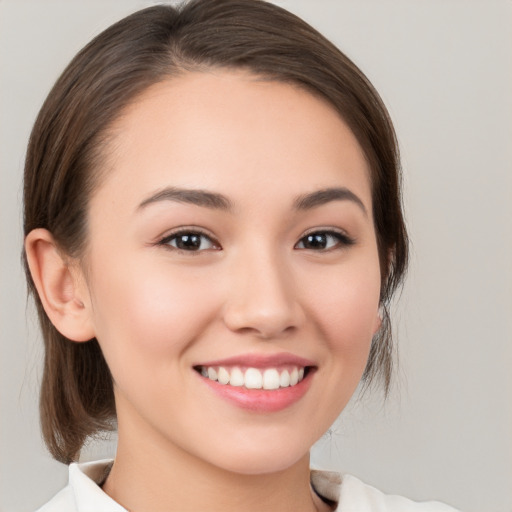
x: 157, y: 476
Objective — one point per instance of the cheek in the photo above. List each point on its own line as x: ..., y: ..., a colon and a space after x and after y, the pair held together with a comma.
x: 347, y: 307
x: 143, y: 312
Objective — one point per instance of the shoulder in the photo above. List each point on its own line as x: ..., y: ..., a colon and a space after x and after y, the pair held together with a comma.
x: 83, y: 492
x: 352, y: 495
x: 356, y: 496
x: 62, y: 501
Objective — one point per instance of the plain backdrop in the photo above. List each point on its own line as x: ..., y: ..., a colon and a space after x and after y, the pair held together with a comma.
x: 444, y: 69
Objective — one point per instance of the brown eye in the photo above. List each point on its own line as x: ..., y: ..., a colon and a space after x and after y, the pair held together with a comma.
x: 323, y: 240
x: 191, y: 241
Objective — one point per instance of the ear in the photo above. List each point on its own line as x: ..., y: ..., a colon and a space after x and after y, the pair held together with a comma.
x: 60, y: 286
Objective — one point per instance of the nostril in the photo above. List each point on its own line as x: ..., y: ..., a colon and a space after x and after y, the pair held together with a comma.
x: 264, y: 326
x: 266, y: 306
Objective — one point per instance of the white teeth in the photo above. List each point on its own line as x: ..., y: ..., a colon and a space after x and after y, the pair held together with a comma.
x: 253, y: 378
x: 284, y: 379
x: 237, y: 377
x: 223, y: 375
x: 271, y: 379
x: 294, y: 377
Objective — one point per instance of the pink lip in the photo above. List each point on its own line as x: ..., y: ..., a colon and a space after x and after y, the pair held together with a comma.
x: 261, y: 400
x: 261, y: 361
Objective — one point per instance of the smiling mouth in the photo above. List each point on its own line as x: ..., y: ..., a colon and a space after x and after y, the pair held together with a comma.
x: 255, y: 378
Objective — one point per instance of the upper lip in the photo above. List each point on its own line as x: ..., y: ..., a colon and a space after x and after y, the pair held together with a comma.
x: 260, y: 361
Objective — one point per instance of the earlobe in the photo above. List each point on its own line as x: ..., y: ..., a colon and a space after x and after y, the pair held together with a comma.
x: 61, y: 290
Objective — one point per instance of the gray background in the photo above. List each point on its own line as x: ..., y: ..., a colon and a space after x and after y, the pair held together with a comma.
x: 444, y: 69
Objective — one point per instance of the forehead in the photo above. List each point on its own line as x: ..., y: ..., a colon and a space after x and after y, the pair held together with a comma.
x: 226, y: 128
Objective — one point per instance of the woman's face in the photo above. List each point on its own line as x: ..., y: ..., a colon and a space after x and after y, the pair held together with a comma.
x: 232, y: 237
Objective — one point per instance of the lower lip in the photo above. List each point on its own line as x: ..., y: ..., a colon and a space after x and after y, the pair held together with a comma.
x: 261, y: 400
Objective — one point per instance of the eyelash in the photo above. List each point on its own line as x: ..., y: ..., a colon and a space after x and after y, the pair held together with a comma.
x: 342, y: 240
x: 166, y: 241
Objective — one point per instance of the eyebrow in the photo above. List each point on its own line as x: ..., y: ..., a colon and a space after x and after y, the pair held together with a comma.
x: 202, y: 198
x: 320, y: 197
x: 216, y: 201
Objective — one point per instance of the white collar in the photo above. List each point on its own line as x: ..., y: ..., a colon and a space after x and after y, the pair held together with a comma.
x: 85, y: 480
x: 85, y: 493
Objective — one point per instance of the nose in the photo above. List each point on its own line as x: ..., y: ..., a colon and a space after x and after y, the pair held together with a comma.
x: 262, y: 299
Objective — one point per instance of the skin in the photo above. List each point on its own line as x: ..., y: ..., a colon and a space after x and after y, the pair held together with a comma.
x: 253, y: 288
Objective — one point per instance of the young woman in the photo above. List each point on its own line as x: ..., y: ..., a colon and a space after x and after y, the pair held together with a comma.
x: 213, y: 234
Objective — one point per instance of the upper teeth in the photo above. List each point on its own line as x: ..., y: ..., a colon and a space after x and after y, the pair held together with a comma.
x: 253, y: 378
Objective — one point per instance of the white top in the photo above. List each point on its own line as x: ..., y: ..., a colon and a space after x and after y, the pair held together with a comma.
x: 83, y: 494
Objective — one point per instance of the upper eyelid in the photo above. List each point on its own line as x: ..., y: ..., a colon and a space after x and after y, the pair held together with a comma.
x: 329, y: 230
x: 185, y: 230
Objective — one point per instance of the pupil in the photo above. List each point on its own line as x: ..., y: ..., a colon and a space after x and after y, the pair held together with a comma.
x: 316, y: 241
x: 188, y: 242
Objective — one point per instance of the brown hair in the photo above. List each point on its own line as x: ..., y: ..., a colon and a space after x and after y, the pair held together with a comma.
x: 71, y: 131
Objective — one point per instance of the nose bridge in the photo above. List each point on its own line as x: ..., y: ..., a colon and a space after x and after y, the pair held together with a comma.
x: 262, y: 297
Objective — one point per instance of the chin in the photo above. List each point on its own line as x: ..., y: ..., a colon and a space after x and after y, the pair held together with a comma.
x: 262, y: 461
